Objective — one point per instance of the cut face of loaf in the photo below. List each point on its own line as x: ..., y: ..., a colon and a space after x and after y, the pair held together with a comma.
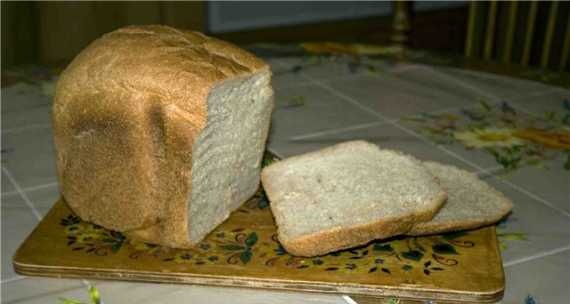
x: 226, y: 157
x: 159, y: 133
x: 347, y: 195
x: 471, y: 202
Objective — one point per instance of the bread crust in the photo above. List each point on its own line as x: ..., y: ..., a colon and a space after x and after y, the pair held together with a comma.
x: 504, y: 207
x: 339, y: 238
x: 126, y: 114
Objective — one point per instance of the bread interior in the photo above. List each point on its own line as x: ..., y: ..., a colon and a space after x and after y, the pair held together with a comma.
x: 227, y: 154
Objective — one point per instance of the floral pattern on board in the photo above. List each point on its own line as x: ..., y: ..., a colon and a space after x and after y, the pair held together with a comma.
x: 242, y: 246
x: 511, y: 137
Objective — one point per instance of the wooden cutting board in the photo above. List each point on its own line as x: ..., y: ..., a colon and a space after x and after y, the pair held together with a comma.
x: 244, y: 252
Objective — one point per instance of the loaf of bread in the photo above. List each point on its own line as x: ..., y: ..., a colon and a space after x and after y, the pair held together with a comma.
x: 471, y: 202
x: 160, y: 132
x: 347, y: 195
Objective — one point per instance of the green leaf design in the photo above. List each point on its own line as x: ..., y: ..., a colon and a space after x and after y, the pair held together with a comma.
x: 454, y: 235
x: 509, y: 158
x: 443, y: 248
x: 245, y: 256
x: 485, y: 106
x: 407, y: 267
x: 232, y: 247
x: 94, y: 295
x: 263, y: 202
x: 69, y: 301
x: 267, y: 160
x: 512, y: 236
x: 115, y: 248
x: 414, y: 255
x: 251, y: 239
x: 383, y: 247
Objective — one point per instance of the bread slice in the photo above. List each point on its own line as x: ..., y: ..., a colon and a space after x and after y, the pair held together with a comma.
x: 159, y: 132
x: 347, y: 195
x: 471, y: 202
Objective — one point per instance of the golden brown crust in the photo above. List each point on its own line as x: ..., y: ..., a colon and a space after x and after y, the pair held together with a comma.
x: 341, y: 238
x: 502, y: 207
x: 126, y: 113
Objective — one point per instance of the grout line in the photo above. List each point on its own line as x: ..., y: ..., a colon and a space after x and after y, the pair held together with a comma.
x: 279, y: 155
x: 463, y: 84
x: 533, y: 196
x: 494, y: 98
x: 348, y: 299
x: 395, y: 124
x: 373, y: 124
x: 22, y: 193
x: 522, y: 190
x: 490, y: 171
x: 28, y: 127
x: 453, y: 154
x: 29, y: 203
x: 536, y: 256
x: 344, y: 76
x: 30, y: 189
x: 338, y: 130
x: 13, y: 279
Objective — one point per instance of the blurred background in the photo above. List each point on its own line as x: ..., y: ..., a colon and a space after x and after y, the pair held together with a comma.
x: 512, y: 32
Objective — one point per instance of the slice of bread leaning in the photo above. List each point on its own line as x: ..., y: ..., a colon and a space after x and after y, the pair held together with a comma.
x: 471, y: 202
x: 347, y: 195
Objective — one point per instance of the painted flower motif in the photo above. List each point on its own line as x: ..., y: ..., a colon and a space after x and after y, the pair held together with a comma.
x: 559, y: 139
x: 489, y: 137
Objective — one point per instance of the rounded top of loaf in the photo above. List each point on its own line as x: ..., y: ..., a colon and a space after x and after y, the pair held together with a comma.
x: 154, y: 60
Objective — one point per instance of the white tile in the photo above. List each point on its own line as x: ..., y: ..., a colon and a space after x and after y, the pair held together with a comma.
x: 23, y: 96
x: 550, y: 183
x: 22, y: 119
x: 44, y: 198
x: 39, y: 290
x: 24, y: 105
x: 17, y: 222
x: 306, y: 109
x: 427, y: 76
x: 283, y: 75
x: 551, y: 104
x: 542, y: 227
x: 215, y: 295
x: 544, y: 279
x: 385, y: 135
x: 6, y: 184
x: 502, y: 87
x: 32, y: 158
x: 332, y: 68
x: 394, y: 97
x: 50, y: 290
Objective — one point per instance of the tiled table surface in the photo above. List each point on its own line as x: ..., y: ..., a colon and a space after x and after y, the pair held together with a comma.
x: 316, y: 107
